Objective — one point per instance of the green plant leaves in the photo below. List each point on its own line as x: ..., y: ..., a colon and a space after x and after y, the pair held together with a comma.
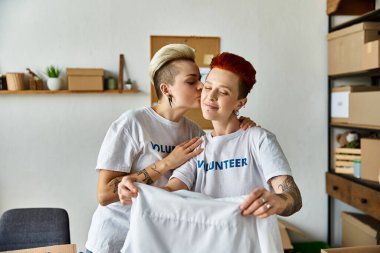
x: 53, y: 71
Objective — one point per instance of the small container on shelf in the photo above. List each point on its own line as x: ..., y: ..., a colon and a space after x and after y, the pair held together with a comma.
x: 357, y: 168
x: 110, y: 83
x: 3, y: 82
x: 344, y: 160
x: 128, y: 85
x: 15, y: 81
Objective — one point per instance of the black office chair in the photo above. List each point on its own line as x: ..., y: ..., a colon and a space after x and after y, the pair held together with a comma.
x: 33, y: 227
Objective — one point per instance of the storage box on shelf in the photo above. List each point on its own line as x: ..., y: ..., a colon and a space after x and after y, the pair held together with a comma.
x: 364, y: 108
x: 354, y: 49
x: 341, y: 101
x: 344, y: 160
x: 349, y: 7
x: 370, y: 167
x: 85, y: 79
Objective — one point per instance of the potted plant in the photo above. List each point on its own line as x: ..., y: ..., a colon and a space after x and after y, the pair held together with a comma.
x: 53, y: 81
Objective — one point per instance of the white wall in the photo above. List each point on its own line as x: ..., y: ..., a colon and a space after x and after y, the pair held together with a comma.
x: 49, y: 143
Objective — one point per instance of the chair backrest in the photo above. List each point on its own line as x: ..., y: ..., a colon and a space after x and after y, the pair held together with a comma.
x: 33, y: 227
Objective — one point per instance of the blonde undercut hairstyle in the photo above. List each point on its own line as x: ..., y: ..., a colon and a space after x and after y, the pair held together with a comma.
x: 161, y: 67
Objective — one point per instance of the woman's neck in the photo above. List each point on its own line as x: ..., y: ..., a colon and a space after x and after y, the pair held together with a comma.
x: 169, y: 113
x: 229, y: 126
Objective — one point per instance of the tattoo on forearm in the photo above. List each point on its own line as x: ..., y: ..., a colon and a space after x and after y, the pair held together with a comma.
x: 155, y: 169
x: 115, y: 182
x: 290, y: 187
x: 283, y: 196
x: 147, y: 179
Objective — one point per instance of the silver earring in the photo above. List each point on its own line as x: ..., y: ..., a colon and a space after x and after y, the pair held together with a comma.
x: 236, y: 113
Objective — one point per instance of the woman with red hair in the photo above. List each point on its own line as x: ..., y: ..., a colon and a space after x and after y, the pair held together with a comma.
x: 144, y: 140
x: 236, y: 162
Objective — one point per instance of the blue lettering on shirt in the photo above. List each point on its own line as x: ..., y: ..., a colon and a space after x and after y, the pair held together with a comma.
x: 162, y: 148
x: 222, y: 165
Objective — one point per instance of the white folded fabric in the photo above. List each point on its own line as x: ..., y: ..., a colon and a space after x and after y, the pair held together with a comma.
x: 185, y: 221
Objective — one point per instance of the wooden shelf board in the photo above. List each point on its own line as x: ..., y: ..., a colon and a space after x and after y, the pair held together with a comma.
x: 358, y: 126
x: 372, y: 16
x: 34, y: 92
x: 364, y: 73
x: 370, y: 184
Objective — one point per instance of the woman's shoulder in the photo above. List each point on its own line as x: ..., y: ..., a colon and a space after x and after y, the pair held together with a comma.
x: 133, y: 114
x: 133, y: 117
x: 259, y: 133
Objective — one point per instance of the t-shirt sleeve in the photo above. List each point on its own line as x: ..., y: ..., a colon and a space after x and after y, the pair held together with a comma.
x: 186, y: 173
x: 273, y: 160
x: 118, y: 150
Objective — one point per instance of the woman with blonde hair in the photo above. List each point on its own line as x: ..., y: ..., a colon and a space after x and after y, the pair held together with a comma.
x: 146, y: 141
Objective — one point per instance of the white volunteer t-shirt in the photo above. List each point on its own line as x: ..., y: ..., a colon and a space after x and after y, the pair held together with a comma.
x: 235, y: 164
x: 189, y: 222
x: 137, y: 139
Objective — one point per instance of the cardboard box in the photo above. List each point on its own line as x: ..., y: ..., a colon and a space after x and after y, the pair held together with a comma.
x: 362, y: 249
x: 354, y: 49
x: 285, y: 228
x: 365, y: 108
x: 80, y: 79
x: 348, y: 7
x: 66, y: 248
x: 340, y: 101
x: 370, y: 167
x: 359, y: 229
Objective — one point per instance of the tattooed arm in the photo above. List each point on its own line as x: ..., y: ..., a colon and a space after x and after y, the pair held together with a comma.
x: 287, y: 190
x: 263, y: 203
x: 182, y: 153
x: 108, y: 181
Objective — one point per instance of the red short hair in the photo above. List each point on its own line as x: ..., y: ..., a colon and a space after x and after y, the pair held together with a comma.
x: 238, y: 65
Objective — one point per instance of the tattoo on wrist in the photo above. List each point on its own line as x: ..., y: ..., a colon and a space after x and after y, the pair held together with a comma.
x: 115, y: 182
x: 290, y: 187
x: 155, y: 169
x: 147, y: 179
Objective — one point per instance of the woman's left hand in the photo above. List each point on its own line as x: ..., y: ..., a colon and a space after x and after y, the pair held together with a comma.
x: 262, y: 203
x: 246, y: 123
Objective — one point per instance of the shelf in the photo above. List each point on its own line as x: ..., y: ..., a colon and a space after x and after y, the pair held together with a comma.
x: 365, y: 73
x: 48, y: 92
x: 372, y: 16
x: 355, y: 126
x: 370, y: 184
x: 361, y: 194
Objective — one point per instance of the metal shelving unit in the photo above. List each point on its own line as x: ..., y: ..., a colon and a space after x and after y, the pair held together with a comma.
x: 373, y: 16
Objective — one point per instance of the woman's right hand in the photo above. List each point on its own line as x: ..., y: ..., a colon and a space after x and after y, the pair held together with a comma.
x: 183, y: 152
x: 127, y: 190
